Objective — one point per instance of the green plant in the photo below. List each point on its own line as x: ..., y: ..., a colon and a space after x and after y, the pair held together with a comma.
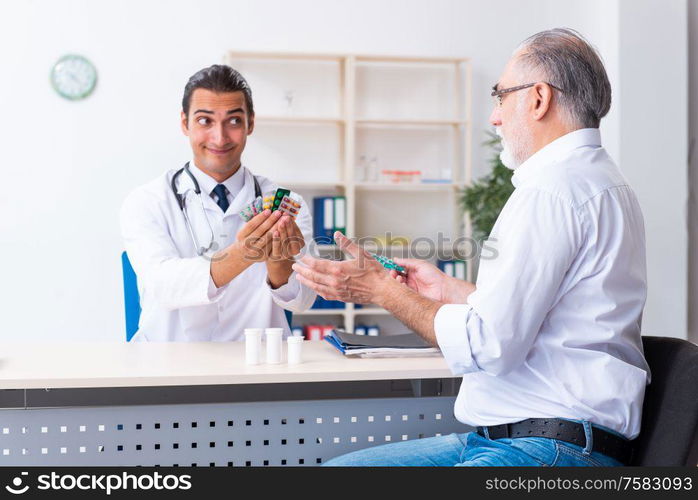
x: 485, y: 198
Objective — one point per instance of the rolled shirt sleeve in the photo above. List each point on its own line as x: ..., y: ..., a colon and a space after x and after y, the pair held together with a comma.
x: 450, y: 327
x: 531, y: 248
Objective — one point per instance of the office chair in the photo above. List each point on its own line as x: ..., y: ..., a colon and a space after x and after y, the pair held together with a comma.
x: 132, y: 300
x: 669, y: 431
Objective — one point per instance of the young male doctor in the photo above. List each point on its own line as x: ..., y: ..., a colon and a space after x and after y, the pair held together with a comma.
x: 203, y: 273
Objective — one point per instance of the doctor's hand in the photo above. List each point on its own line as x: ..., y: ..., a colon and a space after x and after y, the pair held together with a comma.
x: 254, y: 240
x: 252, y: 244
x: 287, y: 240
x: 361, y: 280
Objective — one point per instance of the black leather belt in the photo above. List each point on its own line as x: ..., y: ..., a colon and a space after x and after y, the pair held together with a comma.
x: 570, y: 432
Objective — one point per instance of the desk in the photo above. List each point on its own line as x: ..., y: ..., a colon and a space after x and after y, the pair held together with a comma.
x: 199, y: 404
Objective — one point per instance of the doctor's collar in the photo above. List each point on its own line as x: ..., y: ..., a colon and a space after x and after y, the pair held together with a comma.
x: 233, y: 184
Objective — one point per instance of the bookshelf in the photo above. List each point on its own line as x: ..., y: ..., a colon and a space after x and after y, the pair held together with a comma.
x: 329, y: 125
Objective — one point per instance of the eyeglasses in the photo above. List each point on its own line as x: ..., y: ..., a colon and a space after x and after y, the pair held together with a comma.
x: 497, y: 94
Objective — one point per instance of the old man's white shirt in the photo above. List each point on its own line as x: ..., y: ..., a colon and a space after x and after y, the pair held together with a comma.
x: 553, y: 329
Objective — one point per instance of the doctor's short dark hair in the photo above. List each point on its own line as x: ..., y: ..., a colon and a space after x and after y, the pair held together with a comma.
x: 218, y: 78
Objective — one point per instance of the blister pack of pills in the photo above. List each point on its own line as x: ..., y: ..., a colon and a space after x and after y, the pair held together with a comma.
x: 290, y: 204
x: 252, y: 209
x: 389, y: 264
x: 281, y: 199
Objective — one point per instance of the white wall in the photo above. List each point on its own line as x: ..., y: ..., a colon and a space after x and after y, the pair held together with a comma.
x: 654, y: 148
x: 69, y: 165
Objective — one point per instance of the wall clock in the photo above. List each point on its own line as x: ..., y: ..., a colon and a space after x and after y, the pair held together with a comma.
x: 74, y: 77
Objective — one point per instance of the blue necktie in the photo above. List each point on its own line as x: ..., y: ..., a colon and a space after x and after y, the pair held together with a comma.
x: 221, y: 192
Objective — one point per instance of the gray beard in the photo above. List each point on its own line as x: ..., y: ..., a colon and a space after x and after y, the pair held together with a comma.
x: 507, y: 159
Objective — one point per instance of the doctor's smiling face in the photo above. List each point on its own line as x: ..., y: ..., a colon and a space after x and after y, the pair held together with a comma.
x: 217, y: 125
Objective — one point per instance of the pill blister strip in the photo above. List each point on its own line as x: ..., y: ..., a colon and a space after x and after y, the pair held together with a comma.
x: 388, y: 263
x: 283, y: 200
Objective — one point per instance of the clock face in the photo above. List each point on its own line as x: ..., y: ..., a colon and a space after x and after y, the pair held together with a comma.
x: 73, y: 77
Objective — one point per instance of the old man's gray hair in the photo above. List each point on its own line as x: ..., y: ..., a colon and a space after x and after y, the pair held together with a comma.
x: 565, y: 59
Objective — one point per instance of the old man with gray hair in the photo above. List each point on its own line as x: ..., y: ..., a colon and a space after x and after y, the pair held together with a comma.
x: 548, y: 338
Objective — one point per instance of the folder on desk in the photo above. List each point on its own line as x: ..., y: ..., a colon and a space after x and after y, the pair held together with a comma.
x: 403, y: 345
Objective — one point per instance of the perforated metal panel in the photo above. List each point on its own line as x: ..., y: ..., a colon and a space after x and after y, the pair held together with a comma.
x: 229, y: 434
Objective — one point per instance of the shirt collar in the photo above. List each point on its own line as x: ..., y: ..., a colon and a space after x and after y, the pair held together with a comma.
x: 233, y: 183
x: 554, y: 151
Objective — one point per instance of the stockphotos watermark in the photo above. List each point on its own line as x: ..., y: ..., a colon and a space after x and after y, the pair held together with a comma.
x: 258, y: 249
x: 100, y: 482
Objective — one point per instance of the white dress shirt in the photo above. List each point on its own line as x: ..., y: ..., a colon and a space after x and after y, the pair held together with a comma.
x: 553, y: 329
x: 233, y: 184
x: 179, y: 300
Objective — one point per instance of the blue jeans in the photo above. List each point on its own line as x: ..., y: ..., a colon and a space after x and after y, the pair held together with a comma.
x: 472, y: 450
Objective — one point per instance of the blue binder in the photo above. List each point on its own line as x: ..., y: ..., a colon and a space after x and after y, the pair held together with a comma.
x: 323, y: 220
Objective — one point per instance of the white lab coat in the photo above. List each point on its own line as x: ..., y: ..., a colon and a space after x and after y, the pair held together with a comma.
x: 179, y: 301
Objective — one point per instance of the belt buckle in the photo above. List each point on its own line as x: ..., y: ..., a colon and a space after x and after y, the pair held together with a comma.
x: 499, y: 431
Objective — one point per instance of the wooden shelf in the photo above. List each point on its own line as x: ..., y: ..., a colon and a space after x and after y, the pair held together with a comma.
x: 312, y: 185
x: 341, y: 57
x: 380, y: 122
x: 321, y: 312
x: 352, y: 88
x: 361, y: 122
x: 286, y: 56
x: 417, y: 186
x: 411, y: 59
x: 371, y: 310
x: 299, y: 120
x: 376, y: 186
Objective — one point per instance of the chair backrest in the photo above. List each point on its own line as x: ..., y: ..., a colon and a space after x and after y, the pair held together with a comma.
x: 669, y: 433
x: 132, y: 300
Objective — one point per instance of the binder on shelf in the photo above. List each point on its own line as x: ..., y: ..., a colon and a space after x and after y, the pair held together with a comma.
x: 313, y: 332
x: 453, y: 268
x: 329, y: 215
x: 318, y: 332
x: 323, y: 220
x: 321, y: 303
x: 370, y: 330
x: 334, y: 304
x: 459, y: 269
x: 340, y: 214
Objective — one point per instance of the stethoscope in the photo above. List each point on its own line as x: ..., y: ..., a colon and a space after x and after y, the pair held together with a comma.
x: 200, y: 249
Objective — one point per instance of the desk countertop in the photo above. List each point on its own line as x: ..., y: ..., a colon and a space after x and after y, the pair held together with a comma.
x: 80, y: 365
